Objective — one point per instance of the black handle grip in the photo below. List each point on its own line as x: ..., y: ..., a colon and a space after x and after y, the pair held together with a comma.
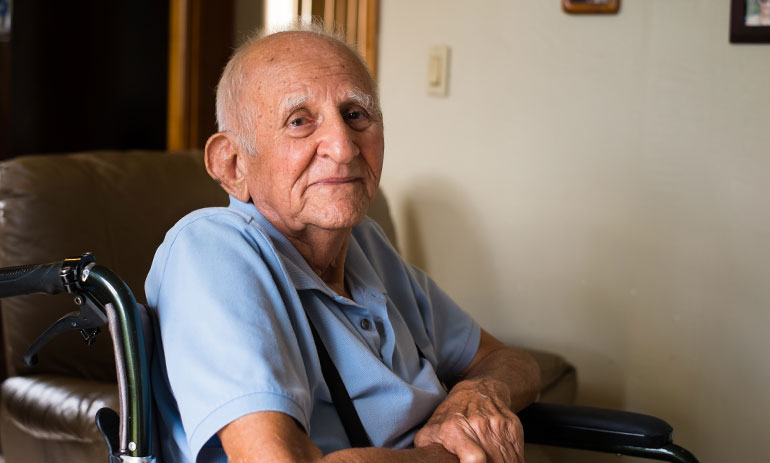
x: 28, y: 279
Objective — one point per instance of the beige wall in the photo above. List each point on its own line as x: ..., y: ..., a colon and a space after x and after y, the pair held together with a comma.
x: 597, y: 186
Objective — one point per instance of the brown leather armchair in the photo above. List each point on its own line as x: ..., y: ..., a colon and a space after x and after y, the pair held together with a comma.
x: 117, y: 205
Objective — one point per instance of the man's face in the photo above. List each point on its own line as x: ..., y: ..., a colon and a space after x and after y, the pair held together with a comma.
x: 320, y: 141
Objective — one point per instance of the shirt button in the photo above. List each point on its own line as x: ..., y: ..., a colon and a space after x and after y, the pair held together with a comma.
x: 366, y: 324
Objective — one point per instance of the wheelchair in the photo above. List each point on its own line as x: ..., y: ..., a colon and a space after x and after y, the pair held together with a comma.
x: 104, y: 299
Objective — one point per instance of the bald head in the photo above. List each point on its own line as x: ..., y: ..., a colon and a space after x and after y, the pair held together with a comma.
x: 263, y: 57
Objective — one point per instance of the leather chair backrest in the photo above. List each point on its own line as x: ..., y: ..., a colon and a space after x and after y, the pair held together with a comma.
x: 116, y: 204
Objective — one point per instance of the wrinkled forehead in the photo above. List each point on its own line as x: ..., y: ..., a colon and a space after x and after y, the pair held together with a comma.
x: 278, y: 58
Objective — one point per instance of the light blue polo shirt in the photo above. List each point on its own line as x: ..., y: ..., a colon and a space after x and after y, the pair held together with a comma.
x: 232, y: 297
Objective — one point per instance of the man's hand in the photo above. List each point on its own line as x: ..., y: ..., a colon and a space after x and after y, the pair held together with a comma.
x: 476, y: 423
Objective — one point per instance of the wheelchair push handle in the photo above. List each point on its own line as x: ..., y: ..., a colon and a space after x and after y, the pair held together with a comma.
x: 103, y: 298
x: 50, y: 278
x: 28, y: 279
x: 53, y: 278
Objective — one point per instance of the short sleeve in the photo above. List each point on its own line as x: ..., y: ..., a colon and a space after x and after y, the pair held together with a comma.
x: 227, y: 335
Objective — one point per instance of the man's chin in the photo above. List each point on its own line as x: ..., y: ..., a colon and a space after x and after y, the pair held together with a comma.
x: 339, y: 217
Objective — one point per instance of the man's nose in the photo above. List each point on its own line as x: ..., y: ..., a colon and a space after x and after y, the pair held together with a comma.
x: 337, y: 140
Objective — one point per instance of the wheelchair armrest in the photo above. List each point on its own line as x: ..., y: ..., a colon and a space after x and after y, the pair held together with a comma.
x: 602, y: 430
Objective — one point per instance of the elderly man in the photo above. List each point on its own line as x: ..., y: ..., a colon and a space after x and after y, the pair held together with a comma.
x: 239, y: 291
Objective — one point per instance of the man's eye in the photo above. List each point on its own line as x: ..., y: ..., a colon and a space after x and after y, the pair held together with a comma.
x: 355, y: 115
x: 298, y: 122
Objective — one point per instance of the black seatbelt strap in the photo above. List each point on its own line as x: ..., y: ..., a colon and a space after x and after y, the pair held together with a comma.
x: 340, y: 397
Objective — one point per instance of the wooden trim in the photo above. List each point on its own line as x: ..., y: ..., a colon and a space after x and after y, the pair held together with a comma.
x: 178, y: 119
x: 317, y: 9
x: 361, y: 21
x: 351, y: 21
x: 372, y: 34
x: 340, y: 14
x: 193, y: 75
x: 329, y: 9
x: 200, y: 40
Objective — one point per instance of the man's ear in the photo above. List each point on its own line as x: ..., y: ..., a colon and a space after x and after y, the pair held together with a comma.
x: 222, y: 165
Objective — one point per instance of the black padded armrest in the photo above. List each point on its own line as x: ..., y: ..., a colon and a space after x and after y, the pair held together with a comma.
x: 601, y: 430
x: 550, y: 423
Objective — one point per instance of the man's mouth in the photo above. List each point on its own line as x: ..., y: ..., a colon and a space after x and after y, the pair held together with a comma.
x: 337, y: 180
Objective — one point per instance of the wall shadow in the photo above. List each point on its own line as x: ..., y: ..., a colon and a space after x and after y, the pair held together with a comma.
x: 443, y: 233
x: 442, y: 236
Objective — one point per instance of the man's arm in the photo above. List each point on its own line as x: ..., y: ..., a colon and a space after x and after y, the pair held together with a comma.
x: 513, y: 367
x: 275, y: 437
x: 476, y: 421
x: 474, y: 424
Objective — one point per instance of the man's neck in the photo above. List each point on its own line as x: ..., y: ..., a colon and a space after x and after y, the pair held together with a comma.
x: 323, y: 249
x: 325, y: 252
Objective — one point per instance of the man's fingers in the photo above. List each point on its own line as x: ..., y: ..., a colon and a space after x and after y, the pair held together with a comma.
x: 519, y: 451
x: 490, y: 435
x: 470, y: 452
x: 482, y: 433
x: 462, y: 442
x: 425, y: 437
x: 474, y: 439
x: 457, y: 437
x: 515, y: 439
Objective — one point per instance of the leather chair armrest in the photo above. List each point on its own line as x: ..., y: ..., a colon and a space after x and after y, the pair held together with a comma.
x: 558, y: 379
x: 52, y: 407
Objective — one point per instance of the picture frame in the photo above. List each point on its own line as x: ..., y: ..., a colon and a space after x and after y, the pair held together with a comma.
x: 591, y: 6
x: 750, y: 21
x: 5, y: 20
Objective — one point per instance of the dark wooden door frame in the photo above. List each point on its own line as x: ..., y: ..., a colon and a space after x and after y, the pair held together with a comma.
x: 200, y: 42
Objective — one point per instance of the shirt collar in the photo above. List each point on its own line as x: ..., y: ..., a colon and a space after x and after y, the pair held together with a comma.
x: 359, y: 268
x: 300, y: 273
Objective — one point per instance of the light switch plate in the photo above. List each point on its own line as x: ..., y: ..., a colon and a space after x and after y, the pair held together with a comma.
x: 438, y: 70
